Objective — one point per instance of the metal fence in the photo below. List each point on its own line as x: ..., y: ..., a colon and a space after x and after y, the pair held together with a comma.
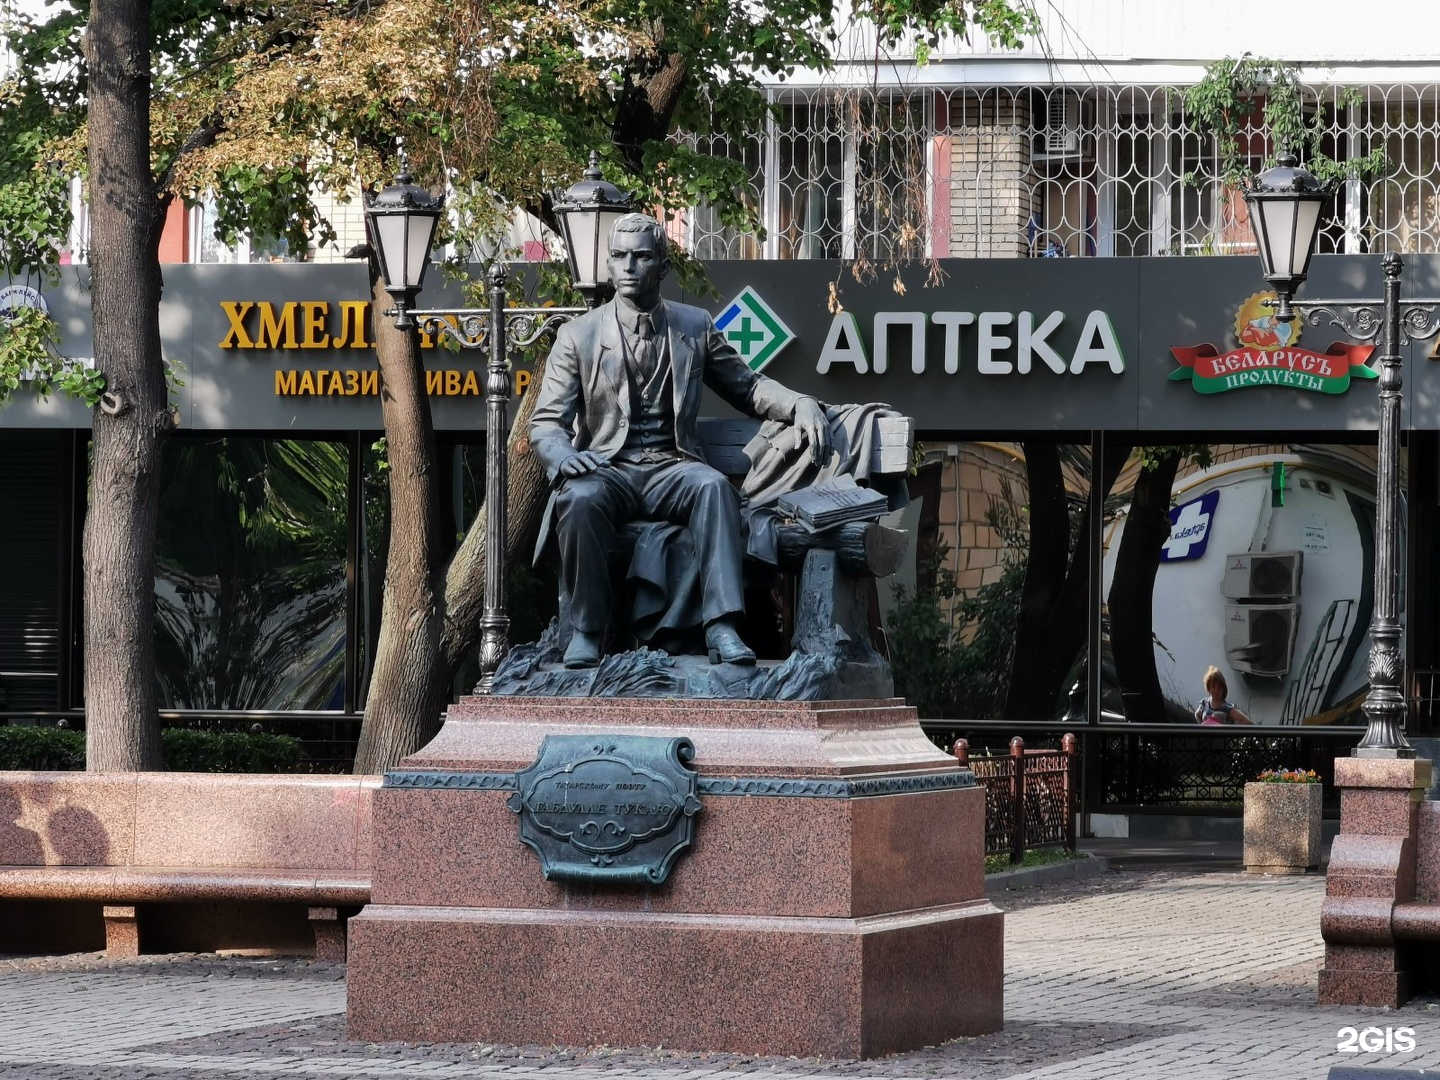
x: 1045, y: 171
x: 1030, y: 796
x: 1169, y: 768
x: 1200, y: 771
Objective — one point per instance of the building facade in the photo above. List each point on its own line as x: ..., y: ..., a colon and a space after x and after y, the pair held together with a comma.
x: 1030, y: 252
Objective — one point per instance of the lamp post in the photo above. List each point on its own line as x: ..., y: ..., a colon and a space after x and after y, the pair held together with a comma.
x: 1285, y: 204
x: 398, y: 218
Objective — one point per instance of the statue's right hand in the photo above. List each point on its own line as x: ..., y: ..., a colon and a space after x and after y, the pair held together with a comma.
x: 583, y: 462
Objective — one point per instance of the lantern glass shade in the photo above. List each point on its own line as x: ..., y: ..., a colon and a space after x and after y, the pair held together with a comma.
x: 402, y: 242
x: 1285, y: 233
x: 587, y: 212
x: 1285, y: 204
x: 587, y: 244
x: 403, y: 219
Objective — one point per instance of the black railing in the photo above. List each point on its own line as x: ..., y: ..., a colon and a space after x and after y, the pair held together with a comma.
x: 1030, y: 796
x: 1170, y: 767
x: 1205, y: 770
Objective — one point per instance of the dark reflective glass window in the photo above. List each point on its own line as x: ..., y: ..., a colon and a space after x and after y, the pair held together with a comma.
x: 250, y: 575
x: 1254, y: 559
x: 989, y: 622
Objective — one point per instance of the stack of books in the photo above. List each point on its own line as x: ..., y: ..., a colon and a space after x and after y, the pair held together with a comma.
x: 831, y: 503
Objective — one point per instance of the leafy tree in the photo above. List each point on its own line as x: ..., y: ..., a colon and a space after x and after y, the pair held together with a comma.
x: 955, y: 663
x: 268, y: 108
x: 1051, y: 628
x: 1254, y: 93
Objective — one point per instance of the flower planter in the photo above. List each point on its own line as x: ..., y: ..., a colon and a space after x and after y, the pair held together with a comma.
x: 1282, y: 827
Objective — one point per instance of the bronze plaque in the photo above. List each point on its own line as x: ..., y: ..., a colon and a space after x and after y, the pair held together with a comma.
x: 608, y: 808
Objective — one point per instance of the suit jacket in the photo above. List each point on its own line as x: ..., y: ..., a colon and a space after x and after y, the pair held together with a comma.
x: 585, y: 396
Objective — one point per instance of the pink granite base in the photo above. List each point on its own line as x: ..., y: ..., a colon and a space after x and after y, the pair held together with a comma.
x: 1368, y: 989
x: 1372, y: 870
x: 122, y: 931
x: 795, y: 925
x: 800, y: 987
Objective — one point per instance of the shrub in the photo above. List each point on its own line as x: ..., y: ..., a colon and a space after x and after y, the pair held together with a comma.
x: 41, y: 748
x: 23, y: 748
x: 951, y: 651
x: 229, y: 752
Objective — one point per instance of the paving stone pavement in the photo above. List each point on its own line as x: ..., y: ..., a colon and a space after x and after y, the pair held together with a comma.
x: 1132, y: 975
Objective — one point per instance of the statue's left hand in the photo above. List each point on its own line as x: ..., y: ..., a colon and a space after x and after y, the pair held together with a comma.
x: 811, y: 423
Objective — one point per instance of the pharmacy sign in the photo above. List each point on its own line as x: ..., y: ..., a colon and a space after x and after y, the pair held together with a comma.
x: 753, y: 328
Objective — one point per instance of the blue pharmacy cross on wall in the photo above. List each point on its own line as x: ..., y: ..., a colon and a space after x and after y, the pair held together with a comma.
x: 753, y: 328
x: 1190, y: 528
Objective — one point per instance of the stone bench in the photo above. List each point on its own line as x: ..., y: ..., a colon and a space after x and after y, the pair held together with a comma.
x: 192, y: 860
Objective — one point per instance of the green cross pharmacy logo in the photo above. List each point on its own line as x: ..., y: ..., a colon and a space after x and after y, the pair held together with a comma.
x: 753, y: 328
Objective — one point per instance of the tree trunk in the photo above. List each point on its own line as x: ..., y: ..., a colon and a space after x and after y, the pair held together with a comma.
x: 1132, y: 591
x: 1037, y: 669
x: 409, y: 683
x: 123, y: 729
x: 426, y: 632
x: 1052, y: 628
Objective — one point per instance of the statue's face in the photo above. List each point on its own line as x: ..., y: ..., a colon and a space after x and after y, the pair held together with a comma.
x: 636, y: 268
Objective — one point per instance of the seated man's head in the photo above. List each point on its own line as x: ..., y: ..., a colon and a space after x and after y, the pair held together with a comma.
x: 639, y: 258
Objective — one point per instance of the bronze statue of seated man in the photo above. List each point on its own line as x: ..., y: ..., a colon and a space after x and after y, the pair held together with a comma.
x: 615, y: 426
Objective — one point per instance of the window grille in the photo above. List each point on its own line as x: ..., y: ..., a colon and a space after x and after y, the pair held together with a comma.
x: 1054, y: 171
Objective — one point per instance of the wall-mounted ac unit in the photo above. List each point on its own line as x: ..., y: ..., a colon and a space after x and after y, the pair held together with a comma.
x: 1262, y: 575
x: 1260, y: 638
x: 1061, y: 134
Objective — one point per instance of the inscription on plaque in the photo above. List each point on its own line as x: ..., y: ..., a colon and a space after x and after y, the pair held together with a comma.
x: 608, y: 808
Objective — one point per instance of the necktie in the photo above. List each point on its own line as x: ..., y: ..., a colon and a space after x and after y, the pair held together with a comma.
x: 645, y: 346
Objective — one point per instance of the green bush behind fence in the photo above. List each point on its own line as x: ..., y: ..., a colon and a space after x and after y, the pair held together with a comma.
x: 184, y: 750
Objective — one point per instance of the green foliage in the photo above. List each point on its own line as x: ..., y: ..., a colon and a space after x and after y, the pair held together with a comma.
x: 28, y: 337
x: 24, y: 747
x: 996, y: 864
x: 41, y: 748
x: 243, y: 94
x: 1198, y: 455
x: 951, y: 651
x: 230, y: 752
x: 1257, y: 93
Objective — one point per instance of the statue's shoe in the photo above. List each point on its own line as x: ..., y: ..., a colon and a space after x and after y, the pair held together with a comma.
x: 725, y: 645
x: 583, y: 650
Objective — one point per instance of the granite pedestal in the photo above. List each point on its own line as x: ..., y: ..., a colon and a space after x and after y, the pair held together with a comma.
x: 1370, y: 885
x: 832, y: 903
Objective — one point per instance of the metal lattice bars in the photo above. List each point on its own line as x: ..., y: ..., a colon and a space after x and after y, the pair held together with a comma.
x: 1051, y: 171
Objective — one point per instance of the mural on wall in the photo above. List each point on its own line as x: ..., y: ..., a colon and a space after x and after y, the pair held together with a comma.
x: 1266, y: 574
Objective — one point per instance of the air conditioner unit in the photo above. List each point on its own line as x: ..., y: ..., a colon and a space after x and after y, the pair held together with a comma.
x: 1062, y: 125
x: 1062, y: 143
x: 1260, y: 638
x: 1262, y: 575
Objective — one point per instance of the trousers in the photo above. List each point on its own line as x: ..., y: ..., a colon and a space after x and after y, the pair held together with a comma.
x: 591, y: 509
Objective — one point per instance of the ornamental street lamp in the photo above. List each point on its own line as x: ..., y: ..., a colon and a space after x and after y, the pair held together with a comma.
x: 399, y: 217
x: 402, y: 227
x: 1285, y: 204
x: 587, y: 213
